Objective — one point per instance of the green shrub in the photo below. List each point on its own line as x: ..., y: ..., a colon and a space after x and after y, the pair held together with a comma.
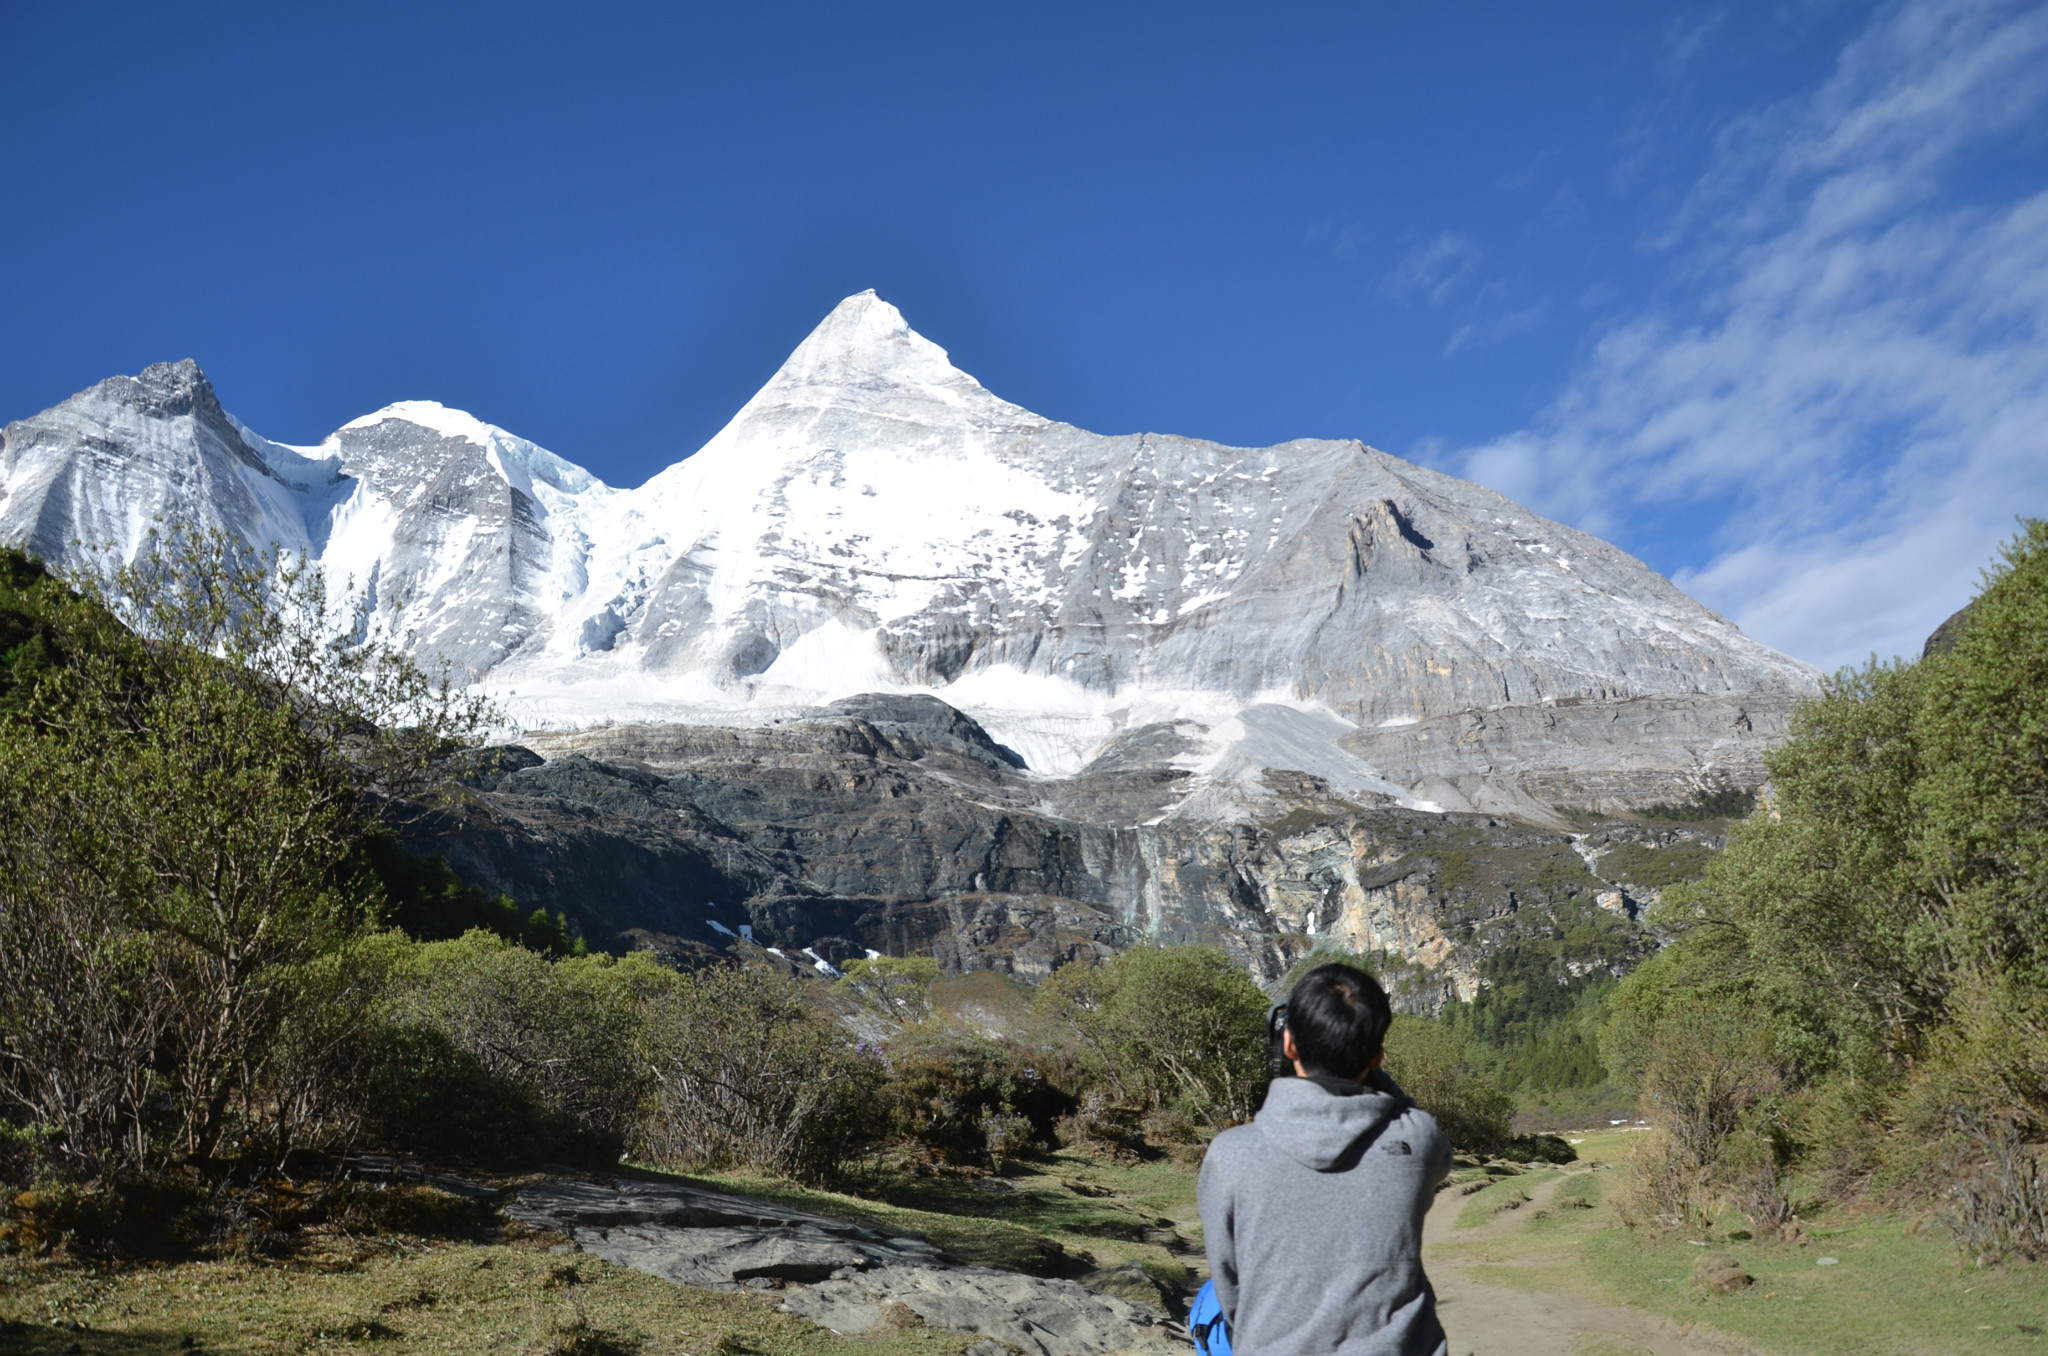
x: 899, y: 988
x: 1539, y: 1149
x: 1168, y: 1026
x: 1428, y: 1062
x: 430, y: 1097
x: 492, y: 1051
x: 963, y: 1098
x: 1875, y: 944
x: 748, y: 1073
x: 1655, y: 868
x: 188, y: 751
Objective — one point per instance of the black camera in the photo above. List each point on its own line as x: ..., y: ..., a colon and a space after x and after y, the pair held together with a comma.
x: 1276, y: 1042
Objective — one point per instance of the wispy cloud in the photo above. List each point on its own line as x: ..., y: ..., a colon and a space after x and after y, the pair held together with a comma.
x: 1344, y: 241
x: 1433, y: 270
x: 1688, y: 34
x: 1859, y: 385
x: 1532, y: 171
x: 1495, y: 328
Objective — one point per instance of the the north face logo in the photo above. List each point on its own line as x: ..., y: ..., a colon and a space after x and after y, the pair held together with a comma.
x: 1399, y: 1146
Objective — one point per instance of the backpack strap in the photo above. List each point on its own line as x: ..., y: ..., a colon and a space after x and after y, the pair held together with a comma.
x: 1202, y: 1333
x: 1207, y: 1324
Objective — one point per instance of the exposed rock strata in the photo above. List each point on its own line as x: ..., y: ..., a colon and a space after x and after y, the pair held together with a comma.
x: 841, y: 834
x: 1606, y: 756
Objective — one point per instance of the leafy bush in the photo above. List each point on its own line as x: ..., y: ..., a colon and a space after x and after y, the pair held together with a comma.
x: 897, y: 987
x: 1879, y: 942
x: 749, y: 1073
x: 964, y: 1098
x: 488, y: 1050
x: 1168, y: 1026
x: 1429, y: 1063
x: 1539, y: 1149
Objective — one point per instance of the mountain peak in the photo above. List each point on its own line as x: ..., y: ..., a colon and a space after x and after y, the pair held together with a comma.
x: 161, y: 389
x: 863, y: 340
x: 863, y: 357
x: 431, y: 414
x: 518, y: 462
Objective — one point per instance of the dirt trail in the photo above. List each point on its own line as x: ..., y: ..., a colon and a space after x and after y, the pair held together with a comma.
x: 1484, y: 1319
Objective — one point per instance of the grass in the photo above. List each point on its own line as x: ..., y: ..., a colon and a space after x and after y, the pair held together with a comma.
x: 411, y: 1296
x: 1895, y: 1290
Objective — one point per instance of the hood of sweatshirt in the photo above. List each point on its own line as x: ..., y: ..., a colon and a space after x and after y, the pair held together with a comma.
x: 1324, y: 1123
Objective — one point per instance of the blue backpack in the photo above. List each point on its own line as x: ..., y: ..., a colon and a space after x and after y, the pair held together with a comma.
x: 1206, y: 1322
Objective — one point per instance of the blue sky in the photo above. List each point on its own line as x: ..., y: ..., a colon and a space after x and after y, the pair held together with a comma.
x: 1759, y: 293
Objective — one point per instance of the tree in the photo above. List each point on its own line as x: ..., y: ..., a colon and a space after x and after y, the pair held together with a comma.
x: 1881, y: 934
x: 185, y: 771
x: 898, y: 987
x: 1427, y: 1060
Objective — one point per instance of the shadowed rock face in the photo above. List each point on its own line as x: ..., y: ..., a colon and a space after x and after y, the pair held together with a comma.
x: 1944, y: 637
x: 841, y: 834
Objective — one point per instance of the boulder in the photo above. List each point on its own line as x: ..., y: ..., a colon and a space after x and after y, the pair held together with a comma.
x: 1720, y: 1273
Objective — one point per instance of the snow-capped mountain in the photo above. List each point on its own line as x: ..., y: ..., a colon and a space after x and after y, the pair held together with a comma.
x: 875, y: 520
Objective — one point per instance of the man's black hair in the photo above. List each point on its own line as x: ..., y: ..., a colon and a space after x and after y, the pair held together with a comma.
x: 1339, y: 1015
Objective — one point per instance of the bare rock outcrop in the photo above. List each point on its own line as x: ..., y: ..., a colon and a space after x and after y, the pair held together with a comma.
x: 845, y: 1276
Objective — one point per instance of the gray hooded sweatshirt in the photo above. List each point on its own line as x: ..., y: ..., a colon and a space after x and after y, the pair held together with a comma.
x: 1313, y: 1219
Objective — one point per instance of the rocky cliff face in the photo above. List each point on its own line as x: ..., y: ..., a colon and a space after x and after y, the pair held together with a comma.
x: 898, y: 825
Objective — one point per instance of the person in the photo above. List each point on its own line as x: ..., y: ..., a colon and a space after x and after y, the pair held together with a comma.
x: 1312, y: 1213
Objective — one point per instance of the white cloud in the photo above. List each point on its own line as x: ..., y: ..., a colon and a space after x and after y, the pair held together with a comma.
x: 1496, y: 328
x: 1688, y: 34
x: 1860, y: 386
x: 1434, y: 269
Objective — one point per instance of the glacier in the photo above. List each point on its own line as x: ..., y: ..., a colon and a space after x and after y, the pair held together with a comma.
x: 874, y: 520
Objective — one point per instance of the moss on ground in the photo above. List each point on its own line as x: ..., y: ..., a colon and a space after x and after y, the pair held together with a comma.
x: 1501, y: 1196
